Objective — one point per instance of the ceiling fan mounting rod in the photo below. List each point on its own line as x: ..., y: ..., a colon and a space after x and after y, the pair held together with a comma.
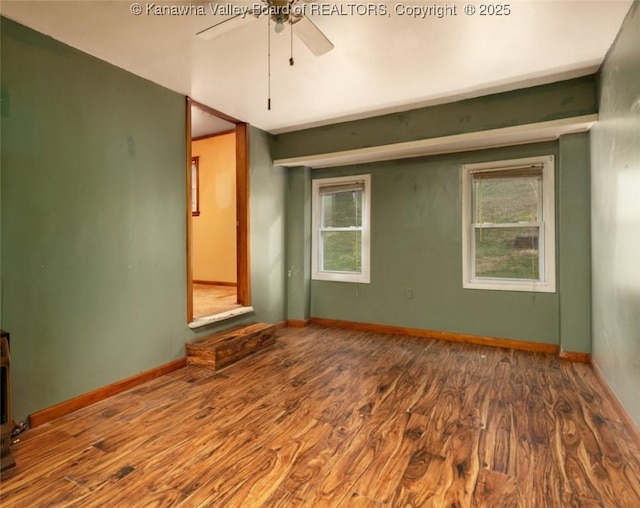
x: 268, y: 64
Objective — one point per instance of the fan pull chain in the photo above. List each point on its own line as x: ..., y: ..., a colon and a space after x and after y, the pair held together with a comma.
x: 291, y: 62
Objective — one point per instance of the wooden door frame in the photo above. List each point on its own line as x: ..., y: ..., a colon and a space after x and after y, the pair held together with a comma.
x: 243, y: 275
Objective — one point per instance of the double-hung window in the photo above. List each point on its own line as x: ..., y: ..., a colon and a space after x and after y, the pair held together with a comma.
x: 340, y: 242
x: 508, y: 225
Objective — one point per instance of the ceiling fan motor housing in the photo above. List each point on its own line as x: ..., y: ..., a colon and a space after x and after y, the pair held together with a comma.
x: 283, y: 11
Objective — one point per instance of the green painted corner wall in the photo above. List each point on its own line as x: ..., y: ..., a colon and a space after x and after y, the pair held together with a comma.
x: 298, y: 243
x: 93, y: 231
x: 574, y: 247
x: 615, y: 210
x: 563, y: 99
x: 268, y: 221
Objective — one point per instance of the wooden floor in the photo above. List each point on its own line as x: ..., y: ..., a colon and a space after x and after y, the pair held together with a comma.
x: 211, y: 299
x: 340, y: 418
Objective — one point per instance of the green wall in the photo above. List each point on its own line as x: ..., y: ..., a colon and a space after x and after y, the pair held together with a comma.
x: 93, y: 222
x: 615, y: 196
x: 267, y: 231
x: 564, y: 99
x: 416, y: 222
x: 298, y: 243
x: 416, y: 242
x: 574, y: 246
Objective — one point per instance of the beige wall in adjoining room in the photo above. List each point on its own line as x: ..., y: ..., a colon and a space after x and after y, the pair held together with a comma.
x: 214, y: 230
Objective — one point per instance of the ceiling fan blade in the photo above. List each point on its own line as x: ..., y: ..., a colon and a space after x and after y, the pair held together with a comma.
x: 312, y: 37
x: 224, y: 26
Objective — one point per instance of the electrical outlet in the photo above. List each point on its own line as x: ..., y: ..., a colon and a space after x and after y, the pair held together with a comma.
x: 408, y: 293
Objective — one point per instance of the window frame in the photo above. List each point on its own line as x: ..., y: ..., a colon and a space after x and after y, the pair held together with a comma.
x: 195, y: 186
x: 316, y: 240
x: 546, y: 239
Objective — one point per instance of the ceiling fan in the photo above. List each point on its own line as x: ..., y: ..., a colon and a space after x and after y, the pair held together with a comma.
x: 280, y: 12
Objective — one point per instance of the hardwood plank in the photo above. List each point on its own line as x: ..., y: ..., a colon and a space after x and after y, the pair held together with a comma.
x: 330, y: 417
x: 422, y: 477
x: 498, y: 440
x: 615, y: 402
x: 390, y: 447
x: 495, y: 490
x: 355, y: 500
x: 234, y: 486
x: 263, y: 488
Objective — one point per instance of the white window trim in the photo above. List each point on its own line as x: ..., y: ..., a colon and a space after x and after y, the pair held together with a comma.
x: 316, y: 273
x: 547, y: 283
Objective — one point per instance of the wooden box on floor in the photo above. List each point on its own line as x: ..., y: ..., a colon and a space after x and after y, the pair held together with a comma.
x: 227, y: 347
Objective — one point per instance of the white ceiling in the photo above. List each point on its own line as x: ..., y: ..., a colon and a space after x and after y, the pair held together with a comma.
x: 204, y: 123
x: 380, y: 64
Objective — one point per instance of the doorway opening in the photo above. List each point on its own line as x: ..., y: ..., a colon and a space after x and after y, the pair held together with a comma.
x: 217, y: 216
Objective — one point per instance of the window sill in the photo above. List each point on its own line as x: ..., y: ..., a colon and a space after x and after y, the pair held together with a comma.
x: 341, y: 277
x: 526, y: 287
x: 222, y: 316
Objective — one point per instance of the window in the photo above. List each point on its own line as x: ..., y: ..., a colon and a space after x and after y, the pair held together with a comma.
x: 340, y: 246
x: 508, y: 225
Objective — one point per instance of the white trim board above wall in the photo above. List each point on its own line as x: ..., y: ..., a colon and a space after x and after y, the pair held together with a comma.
x: 493, y: 138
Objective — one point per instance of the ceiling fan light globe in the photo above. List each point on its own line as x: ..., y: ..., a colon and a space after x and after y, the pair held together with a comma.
x: 279, y: 28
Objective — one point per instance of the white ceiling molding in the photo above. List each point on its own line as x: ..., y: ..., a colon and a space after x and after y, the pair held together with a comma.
x: 480, y: 140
